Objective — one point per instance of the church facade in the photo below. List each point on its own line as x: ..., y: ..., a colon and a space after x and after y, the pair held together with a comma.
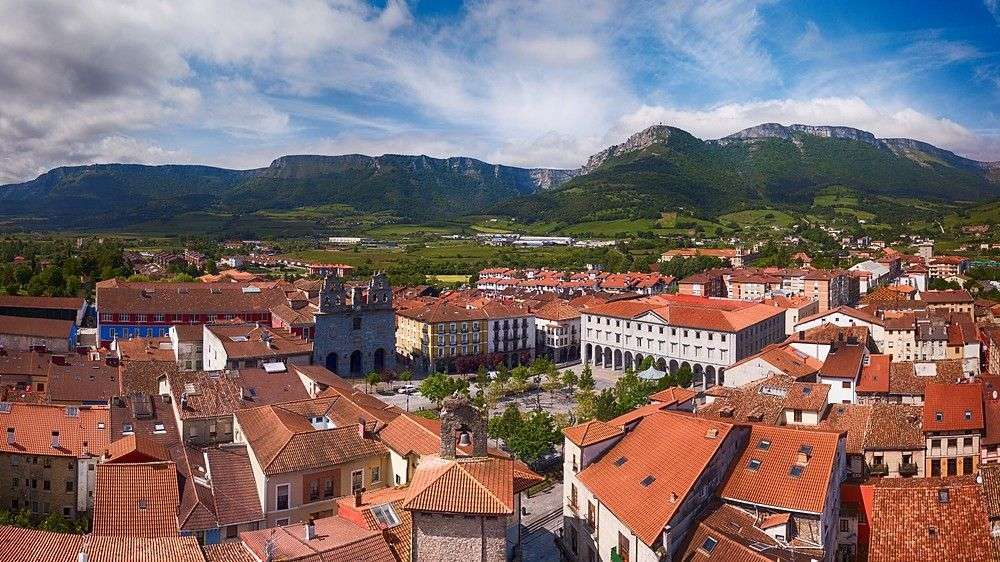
x: 355, y: 327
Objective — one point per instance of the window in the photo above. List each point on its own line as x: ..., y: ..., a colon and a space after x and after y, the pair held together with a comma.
x: 844, y: 525
x: 943, y: 495
x: 620, y: 461
x: 754, y: 464
x: 709, y: 544
x: 936, y: 467
x: 968, y: 415
x: 376, y: 474
x: 385, y: 515
x: 795, y: 471
x: 313, y: 490
x: 845, y: 384
x: 69, y: 487
x: 764, y: 445
x: 952, y: 467
x: 328, y: 488
x: 232, y: 531
x: 357, y: 480
x: 797, y: 416
x: 938, y: 416
x: 967, y: 465
x: 592, y: 515
x: 648, y: 481
x: 283, y: 491
x: 572, y: 495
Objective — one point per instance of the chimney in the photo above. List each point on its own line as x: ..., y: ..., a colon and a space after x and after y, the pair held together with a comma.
x: 10, y: 435
x: 55, y: 439
x: 361, y: 428
x: 357, y: 496
x: 310, y: 531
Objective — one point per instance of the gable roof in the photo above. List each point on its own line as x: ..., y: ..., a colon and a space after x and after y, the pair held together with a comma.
x: 136, y: 500
x: 590, y: 432
x: 772, y: 483
x: 960, y: 406
x: 685, y: 445
x: 471, y: 486
x: 336, y: 539
x: 30, y: 545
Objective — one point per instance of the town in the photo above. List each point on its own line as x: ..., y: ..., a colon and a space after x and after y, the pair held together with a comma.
x: 731, y: 411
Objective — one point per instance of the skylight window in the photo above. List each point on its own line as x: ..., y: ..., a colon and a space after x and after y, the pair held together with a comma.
x: 4, y: 407
x: 806, y: 449
x: 648, y: 481
x: 709, y: 544
x: 158, y: 427
x: 807, y: 390
x: 764, y: 444
x: 127, y: 429
x: 943, y: 495
x: 754, y: 464
x: 385, y: 515
x: 968, y: 415
x: 620, y: 461
x: 796, y: 471
x: 938, y: 416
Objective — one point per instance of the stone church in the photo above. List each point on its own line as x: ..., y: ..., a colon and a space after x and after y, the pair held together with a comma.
x: 355, y: 327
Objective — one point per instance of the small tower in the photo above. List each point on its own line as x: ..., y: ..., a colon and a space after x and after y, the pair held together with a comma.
x: 379, y: 292
x: 459, y: 415
x: 333, y: 295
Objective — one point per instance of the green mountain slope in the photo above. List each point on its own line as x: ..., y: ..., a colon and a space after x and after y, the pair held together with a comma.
x: 664, y: 169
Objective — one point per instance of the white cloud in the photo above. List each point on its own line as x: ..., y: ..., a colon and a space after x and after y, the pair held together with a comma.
x: 993, y: 6
x: 855, y: 112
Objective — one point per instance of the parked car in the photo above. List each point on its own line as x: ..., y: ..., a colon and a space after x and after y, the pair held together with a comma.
x: 406, y: 389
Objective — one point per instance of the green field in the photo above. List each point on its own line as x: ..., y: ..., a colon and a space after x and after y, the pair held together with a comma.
x: 449, y: 278
x: 759, y: 217
x: 611, y: 228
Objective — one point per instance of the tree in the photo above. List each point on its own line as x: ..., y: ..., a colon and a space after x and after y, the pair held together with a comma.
x: 631, y: 392
x: 372, y: 379
x: 605, y: 405
x: 536, y: 436
x: 647, y: 362
x: 55, y: 523
x: 570, y: 379
x: 586, y: 406
x: 405, y: 376
x: 439, y: 386
x: 503, y: 373
x: 506, y: 424
x: 683, y: 377
x: 586, y: 378
x: 387, y: 377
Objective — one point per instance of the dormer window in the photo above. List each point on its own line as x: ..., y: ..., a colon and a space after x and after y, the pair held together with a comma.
x: 938, y: 416
x: 764, y: 445
x: 968, y: 415
x: 620, y: 461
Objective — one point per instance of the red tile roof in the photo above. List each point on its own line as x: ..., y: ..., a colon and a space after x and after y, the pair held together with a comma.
x: 590, y: 432
x: 30, y: 545
x: 470, y: 486
x: 185, y: 298
x: 875, y: 375
x: 557, y: 310
x: 228, y: 552
x: 35, y: 327
x: 136, y: 500
x: 910, y: 522
x: 685, y: 445
x: 83, y: 431
x: 336, y: 539
x: 63, y: 303
x: 947, y: 297
x: 772, y: 483
x: 843, y: 362
x: 673, y: 395
x: 137, y: 448
x: 960, y: 407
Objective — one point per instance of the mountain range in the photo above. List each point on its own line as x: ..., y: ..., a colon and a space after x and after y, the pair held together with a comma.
x: 658, y: 169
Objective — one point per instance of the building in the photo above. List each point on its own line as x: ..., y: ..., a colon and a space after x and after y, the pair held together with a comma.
x: 18, y: 332
x: 953, y: 426
x: 956, y: 301
x: 72, y: 309
x: 30, y: 544
x: 188, y: 346
x: 466, y: 505
x: 557, y: 331
x: 235, y: 346
x: 48, y: 457
x: 306, y: 454
x: 356, y: 333
x: 443, y: 337
x: 128, y: 309
x: 947, y: 266
x: 510, y: 332
x: 733, y: 256
x: 679, y: 331
x: 847, y: 317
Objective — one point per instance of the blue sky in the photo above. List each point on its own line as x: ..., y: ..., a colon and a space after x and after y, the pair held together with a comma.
x: 524, y: 83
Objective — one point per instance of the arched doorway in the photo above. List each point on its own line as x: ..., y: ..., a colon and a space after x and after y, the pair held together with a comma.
x: 588, y: 353
x: 698, y: 381
x: 607, y: 357
x: 356, y: 363
x: 618, y: 359
x: 379, y: 359
x: 661, y: 364
x: 628, y: 360
x: 721, y: 378
x: 709, y: 376
x: 673, y: 366
x: 638, y: 361
x: 598, y: 356
x: 331, y: 362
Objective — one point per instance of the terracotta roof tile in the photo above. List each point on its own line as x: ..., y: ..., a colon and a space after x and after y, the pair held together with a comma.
x: 953, y: 407
x: 336, y: 539
x: 137, y: 448
x: 62, y: 303
x: 843, y: 362
x: 590, y: 432
x: 472, y: 486
x: 875, y: 375
x: 773, y: 482
x: 185, y: 298
x: 233, y: 486
x: 35, y: 327
x: 685, y: 446
x: 399, y: 536
x: 83, y: 431
x: 736, y: 538
x: 673, y: 395
x: 910, y: 522
x: 852, y: 419
x: 228, y: 552
x: 895, y: 427
x: 30, y: 545
x: 136, y: 500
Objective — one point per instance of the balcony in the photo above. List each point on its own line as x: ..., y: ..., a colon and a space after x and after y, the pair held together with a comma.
x: 878, y: 470
x: 907, y: 469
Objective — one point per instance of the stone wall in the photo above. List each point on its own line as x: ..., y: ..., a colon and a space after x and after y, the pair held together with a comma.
x: 459, y: 538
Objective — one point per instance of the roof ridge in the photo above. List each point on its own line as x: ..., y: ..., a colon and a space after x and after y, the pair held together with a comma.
x: 480, y: 484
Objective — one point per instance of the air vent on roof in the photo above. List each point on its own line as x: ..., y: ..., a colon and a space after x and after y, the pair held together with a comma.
x: 620, y: 461
x: 239, y: 338
x: 807, y: 390
x: 127, y: 429
x: 712, y: 433
x: 806, y: 449
x: 648, y: 481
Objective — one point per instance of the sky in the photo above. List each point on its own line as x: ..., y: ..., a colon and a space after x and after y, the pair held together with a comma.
x: 237, y: 83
